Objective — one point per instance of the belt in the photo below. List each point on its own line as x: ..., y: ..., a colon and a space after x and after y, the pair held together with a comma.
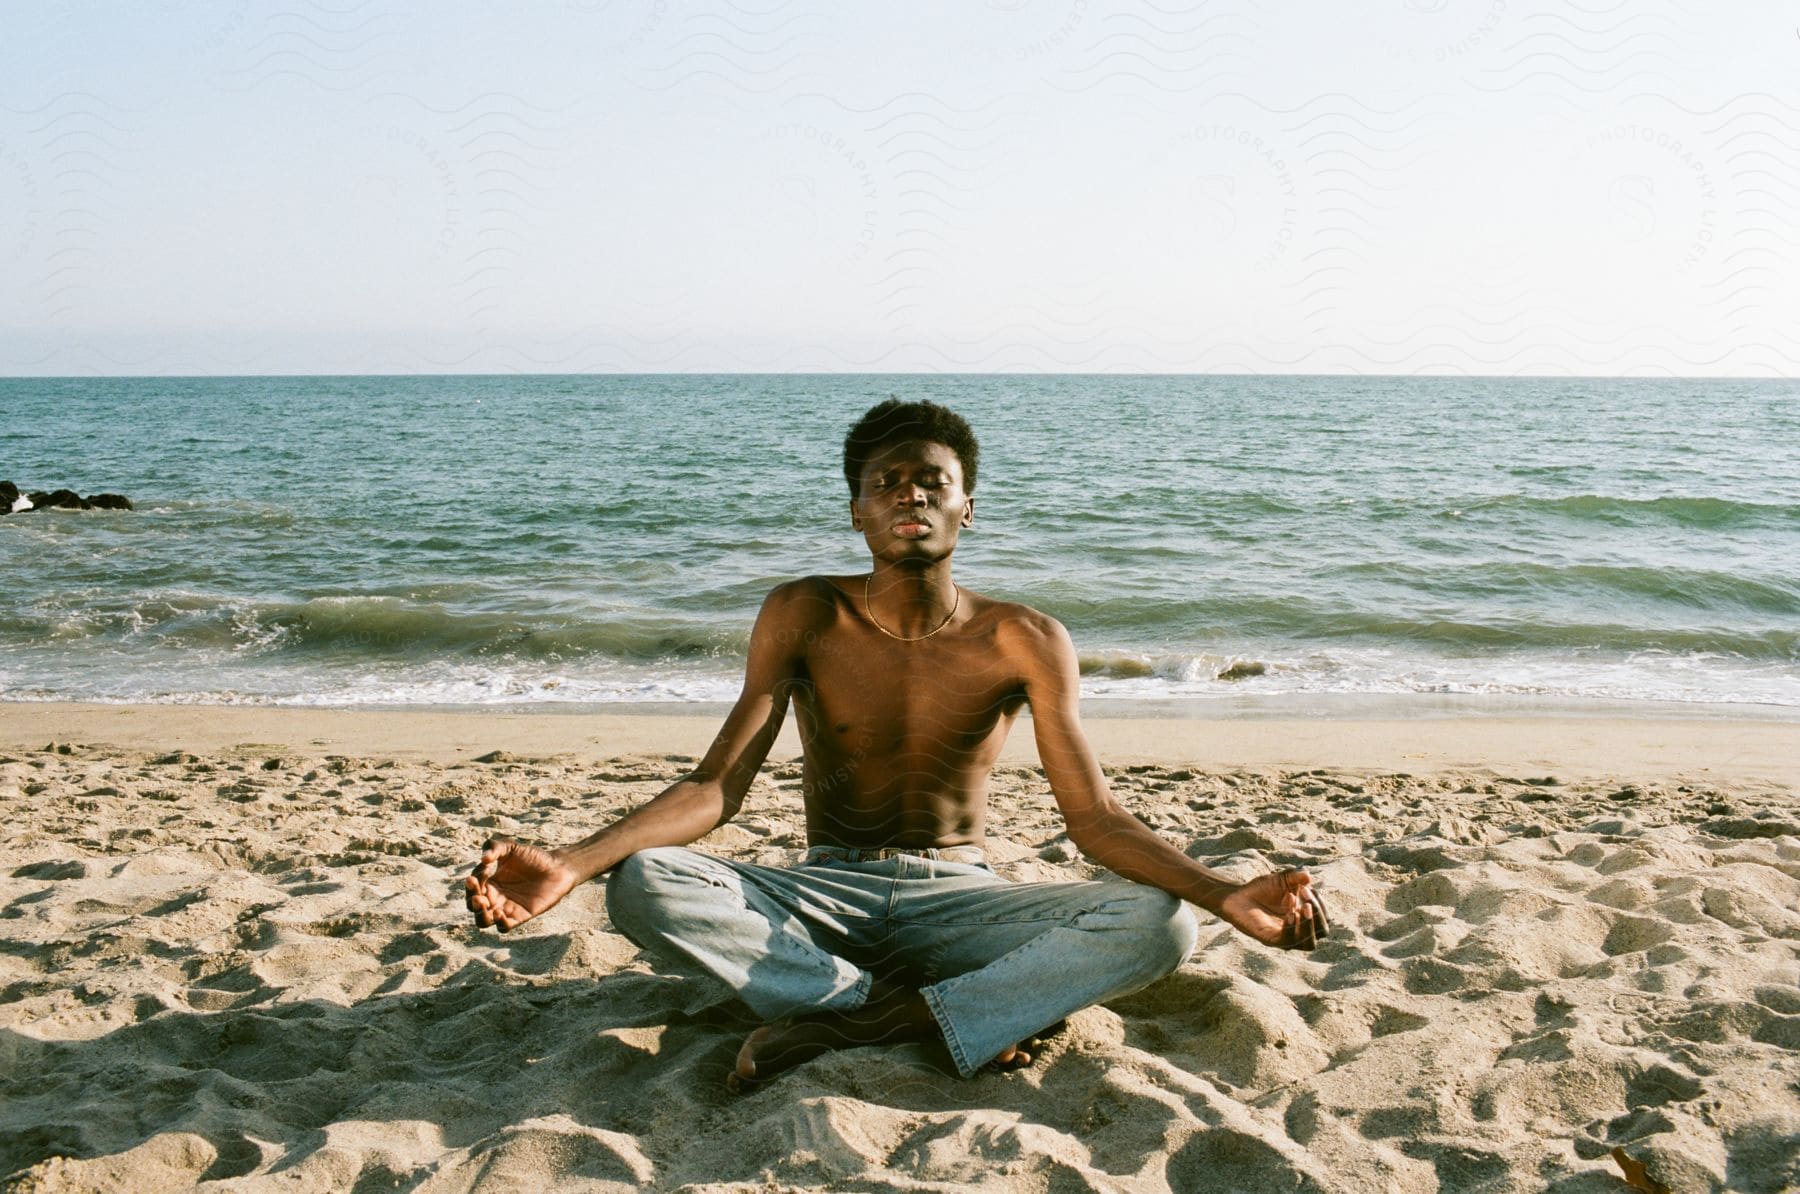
x: 973, y: 855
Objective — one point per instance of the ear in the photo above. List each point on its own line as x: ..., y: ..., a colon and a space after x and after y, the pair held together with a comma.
x: 968, y: 515
x: 855, y: 522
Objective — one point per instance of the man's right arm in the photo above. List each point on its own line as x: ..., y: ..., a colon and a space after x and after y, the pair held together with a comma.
x: 514, y: 882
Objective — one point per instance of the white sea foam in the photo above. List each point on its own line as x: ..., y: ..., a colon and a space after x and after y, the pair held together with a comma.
x: 1648, y: 678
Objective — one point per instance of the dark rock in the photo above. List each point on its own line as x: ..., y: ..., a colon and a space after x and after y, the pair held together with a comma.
x: 59, y: 499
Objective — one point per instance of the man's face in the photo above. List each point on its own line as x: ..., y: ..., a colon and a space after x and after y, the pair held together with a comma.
x: 912, y: 504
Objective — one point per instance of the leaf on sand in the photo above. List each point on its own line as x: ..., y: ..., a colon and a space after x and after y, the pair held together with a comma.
x: 1636, y: 1175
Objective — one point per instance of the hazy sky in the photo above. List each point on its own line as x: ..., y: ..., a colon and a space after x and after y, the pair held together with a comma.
x: 1449, y: 186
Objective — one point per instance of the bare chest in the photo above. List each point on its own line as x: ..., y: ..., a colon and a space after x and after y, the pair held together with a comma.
x: 878, y: 696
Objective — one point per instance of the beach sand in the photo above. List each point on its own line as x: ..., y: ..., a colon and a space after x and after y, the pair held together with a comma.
x: 233, y: 950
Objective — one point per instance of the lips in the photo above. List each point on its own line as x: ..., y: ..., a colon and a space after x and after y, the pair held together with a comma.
x: 912, y: 529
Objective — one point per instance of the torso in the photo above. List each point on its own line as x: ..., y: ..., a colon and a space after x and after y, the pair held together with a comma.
x: 900, y: 737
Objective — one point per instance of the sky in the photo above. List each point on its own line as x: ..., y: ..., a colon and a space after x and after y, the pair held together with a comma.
x: 1452, y: 187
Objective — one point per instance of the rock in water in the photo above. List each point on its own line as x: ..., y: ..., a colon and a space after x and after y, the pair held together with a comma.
x: 13, y: 502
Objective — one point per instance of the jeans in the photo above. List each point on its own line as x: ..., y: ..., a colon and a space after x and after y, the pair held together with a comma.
x: 995, y: 961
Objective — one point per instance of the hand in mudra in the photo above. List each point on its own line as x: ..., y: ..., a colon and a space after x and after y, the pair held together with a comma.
x: 1282, y: 909
x: 514, y: 882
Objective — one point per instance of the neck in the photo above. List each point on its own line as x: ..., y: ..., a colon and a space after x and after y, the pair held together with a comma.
x: 913, y: 597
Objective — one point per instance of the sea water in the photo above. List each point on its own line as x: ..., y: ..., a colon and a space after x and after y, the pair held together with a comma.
x: 511, y: 540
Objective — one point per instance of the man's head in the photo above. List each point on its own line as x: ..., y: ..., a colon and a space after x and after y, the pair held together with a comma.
x: 893, y: 421
x: 911, y: 470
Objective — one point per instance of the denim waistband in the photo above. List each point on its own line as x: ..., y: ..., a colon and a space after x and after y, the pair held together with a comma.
x: 973, y: 855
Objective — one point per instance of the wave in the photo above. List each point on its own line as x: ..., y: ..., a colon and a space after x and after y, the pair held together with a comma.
x: 1691, y: 588
x: 1343, y: 669
x: 1174, y: 667
x: 1775, y: 645
x: 1452, y: 610
x: 370, y: 627
x: 1355, y: 616
x: 1709, y: 513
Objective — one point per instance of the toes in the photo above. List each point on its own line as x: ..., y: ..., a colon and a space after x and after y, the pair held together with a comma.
x: 1015, y: 1058
x: 742, y: 1079
x: 740, y: 1083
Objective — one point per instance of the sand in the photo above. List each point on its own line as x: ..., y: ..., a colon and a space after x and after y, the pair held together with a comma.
x: 233, y: 954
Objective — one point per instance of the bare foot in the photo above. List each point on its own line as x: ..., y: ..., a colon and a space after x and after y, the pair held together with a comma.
x: 891, y: 1016
x: 777, y: 1047
x: 1026, y: 1051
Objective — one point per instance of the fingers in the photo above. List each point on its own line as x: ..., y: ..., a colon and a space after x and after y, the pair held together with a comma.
x: 509, y: 915
x: 477, y: 895
x: 495, y: 910
x: 487, y: 915
x: 1309, y: 922
x: 1293, y: 900
x: 490, y: 907
x: 1317, y: 923
x: 492, y: 851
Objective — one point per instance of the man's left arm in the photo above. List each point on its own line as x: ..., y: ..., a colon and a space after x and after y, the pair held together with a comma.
x: 1279, y: 909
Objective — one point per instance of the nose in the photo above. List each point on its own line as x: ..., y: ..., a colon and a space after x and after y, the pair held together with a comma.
x: 912, y: 494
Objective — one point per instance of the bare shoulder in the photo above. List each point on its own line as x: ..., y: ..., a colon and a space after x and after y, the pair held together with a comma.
x: 1019, y: 630
x: 806, y: 602
x: 792, y: 615
x: 1035, y: 647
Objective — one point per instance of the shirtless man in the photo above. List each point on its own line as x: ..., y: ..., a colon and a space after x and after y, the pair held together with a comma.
x: 892, y: 928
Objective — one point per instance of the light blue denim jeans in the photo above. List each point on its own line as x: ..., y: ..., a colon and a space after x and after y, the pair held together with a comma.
x: 996, y: 961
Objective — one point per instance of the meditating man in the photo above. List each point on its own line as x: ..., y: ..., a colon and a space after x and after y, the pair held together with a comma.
x: 892, y: 927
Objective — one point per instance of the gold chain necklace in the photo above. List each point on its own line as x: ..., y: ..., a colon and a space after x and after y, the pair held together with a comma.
x: 870, y: 610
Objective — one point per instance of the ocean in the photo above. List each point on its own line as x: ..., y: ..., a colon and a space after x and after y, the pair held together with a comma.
x: 527, y: 540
